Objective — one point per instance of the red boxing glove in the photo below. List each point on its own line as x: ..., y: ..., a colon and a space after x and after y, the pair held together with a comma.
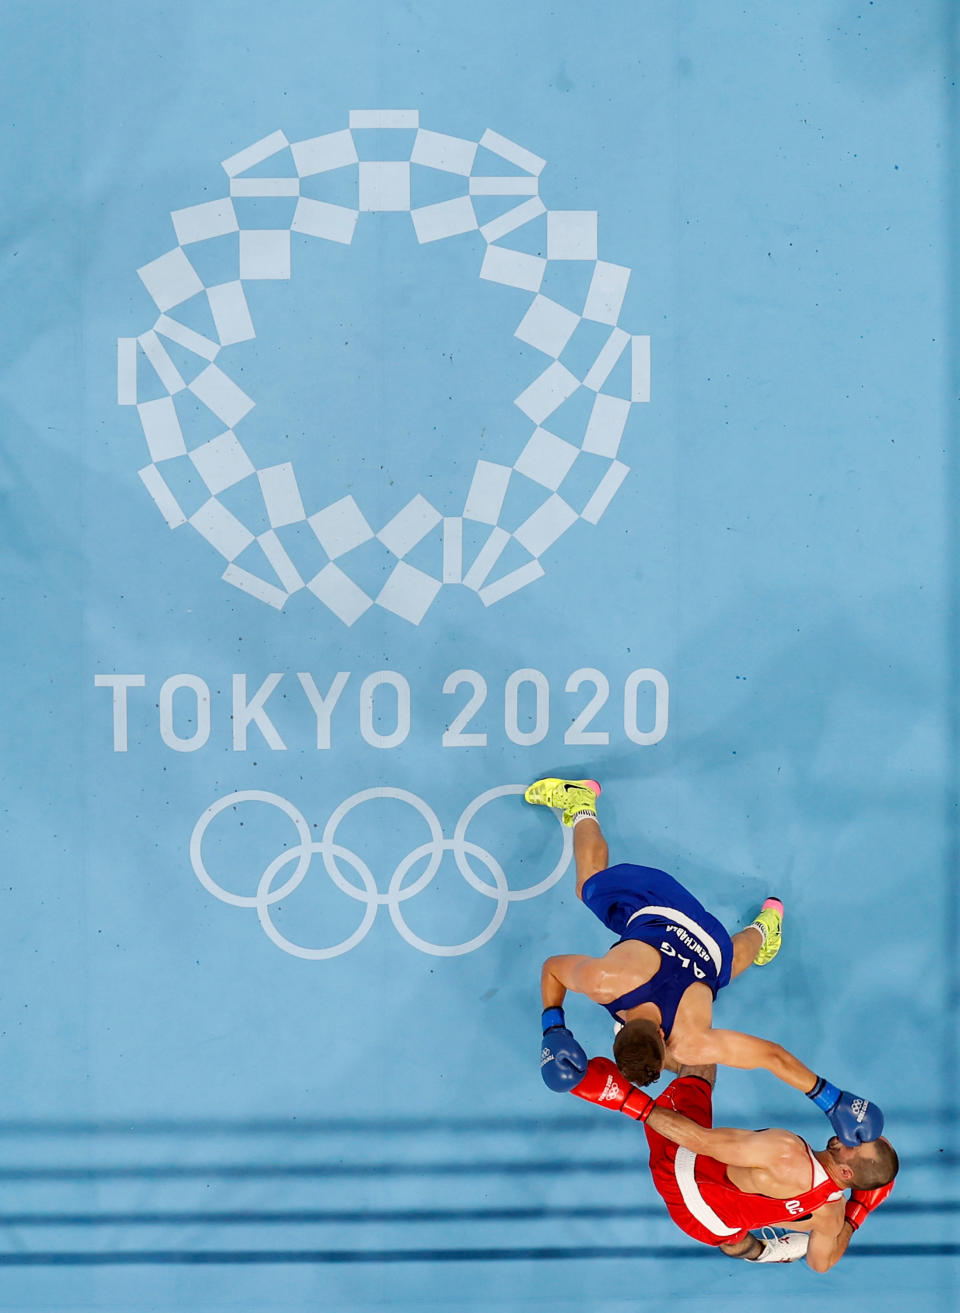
x: 862, y: 1202
x: 603, y: 1083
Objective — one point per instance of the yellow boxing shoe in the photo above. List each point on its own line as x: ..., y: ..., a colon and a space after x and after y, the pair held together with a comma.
x: 770, y: 924
x: 572, y: 797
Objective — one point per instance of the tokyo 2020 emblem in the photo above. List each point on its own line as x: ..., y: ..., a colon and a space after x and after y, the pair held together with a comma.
x: 176, y: 424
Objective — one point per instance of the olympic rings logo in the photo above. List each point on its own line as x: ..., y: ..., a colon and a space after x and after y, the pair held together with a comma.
x: 275, y: 884
x: 272, y: 566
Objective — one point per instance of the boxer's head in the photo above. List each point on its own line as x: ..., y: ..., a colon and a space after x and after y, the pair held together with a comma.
x: 638, y: 1051
x: 864, y: 1166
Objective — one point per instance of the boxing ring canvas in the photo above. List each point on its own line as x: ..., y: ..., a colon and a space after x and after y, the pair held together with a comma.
x: 401, y: 402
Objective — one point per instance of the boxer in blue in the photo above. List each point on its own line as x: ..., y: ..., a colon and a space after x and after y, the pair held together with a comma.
x: 660, y: 978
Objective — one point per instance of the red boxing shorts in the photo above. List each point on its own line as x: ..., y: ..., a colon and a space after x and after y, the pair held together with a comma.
x: 693, y: 1097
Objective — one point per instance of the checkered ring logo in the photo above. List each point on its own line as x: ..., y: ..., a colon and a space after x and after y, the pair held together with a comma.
x: 271, y: 564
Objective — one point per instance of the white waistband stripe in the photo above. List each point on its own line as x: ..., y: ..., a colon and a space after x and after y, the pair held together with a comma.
x: 683, y: 1166
x: 671, y: 914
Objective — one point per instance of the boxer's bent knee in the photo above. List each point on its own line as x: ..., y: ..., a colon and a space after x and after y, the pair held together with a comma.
x: 748, y: 1247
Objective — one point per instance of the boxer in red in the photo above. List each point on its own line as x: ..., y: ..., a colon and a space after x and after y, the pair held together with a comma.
x: 720, y: 1184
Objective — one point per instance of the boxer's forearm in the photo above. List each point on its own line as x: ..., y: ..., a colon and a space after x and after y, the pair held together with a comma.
x: 733, y: 1048
x: 727, y: 1144
x: 826, y: 1249
x: 782, y: 1063
x: 681, y: 1130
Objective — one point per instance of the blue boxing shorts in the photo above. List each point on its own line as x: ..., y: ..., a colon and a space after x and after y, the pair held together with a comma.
x: 642, y: 903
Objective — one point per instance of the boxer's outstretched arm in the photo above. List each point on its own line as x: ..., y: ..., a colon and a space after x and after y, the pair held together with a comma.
x: 733, y: 1048
x: 728, y: 1144
x: 855, y: 1120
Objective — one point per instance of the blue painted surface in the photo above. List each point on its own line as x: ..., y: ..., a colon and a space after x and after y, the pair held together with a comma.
x: 195, y: 1119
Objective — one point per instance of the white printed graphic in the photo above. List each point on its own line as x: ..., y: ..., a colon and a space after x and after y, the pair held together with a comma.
x: 271, y: 889
x: 384, y: 186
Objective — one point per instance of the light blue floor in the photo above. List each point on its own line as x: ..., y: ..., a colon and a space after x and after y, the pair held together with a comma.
x: 718, y: 507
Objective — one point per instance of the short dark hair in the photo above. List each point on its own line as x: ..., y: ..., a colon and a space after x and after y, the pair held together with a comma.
x: 870, y: 1171
x: 638, y: 1051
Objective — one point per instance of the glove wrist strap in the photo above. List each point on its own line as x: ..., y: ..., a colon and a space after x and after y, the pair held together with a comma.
x: 824, y: 1094
x: 552, y: 1018
x: 638, y: 1105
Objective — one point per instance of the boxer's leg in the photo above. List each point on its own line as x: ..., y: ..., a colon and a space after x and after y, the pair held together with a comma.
x: 577, y: 799
x: 760, y: 942
x: 746, y: 945
x: 769, y: 1247
x: 748, y: 1247
x: 590, y: 852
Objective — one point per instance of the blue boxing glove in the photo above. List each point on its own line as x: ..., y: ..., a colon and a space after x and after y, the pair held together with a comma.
x: 562, y: 1060
x: 855, y: 1120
